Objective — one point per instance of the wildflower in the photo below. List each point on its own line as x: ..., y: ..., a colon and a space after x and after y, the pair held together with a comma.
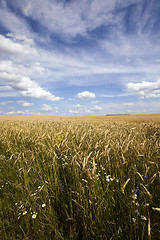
x: 39, y: 187
x: 134, y: 196
x: 117, y: 180
x: 16, y: 203
x: 134, y: 220
x: 137, y: 204
x: 24, y: 213
x: 34, y: 215
x: 145, y: 176
x: 143, y: 218
x: 33, y: 194
x: 108, y: 178
x: 43, y: 205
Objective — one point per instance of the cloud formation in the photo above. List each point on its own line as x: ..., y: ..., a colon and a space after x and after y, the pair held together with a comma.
x: 10, y: 46
x: 15, y: 76
x: 24, y: 104
x: 46, y: 107
x: 80, y: 109
x: 74, y: 18
x: 86, y: 95
x: 96, y: 108
x: 26, y: 86
x: 111, y: 47
x: 145, y: 89
x: 69, y: 19
x: 5, y: 103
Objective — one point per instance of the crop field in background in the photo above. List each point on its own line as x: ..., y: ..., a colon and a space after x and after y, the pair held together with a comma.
x: 80, y: 178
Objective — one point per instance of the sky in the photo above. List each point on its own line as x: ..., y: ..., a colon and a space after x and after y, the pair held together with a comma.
x: 74, y: 58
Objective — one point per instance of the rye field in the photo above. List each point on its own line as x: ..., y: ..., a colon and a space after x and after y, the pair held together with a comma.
x: 80, y: 178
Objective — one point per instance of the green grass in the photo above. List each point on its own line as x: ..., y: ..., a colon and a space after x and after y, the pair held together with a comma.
x: 97, y: 181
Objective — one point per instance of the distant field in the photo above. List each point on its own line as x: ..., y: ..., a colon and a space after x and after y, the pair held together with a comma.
x: 80, y: 178
x: 99, y: 119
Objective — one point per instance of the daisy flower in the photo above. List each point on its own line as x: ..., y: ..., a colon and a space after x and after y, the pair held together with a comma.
x: 43, y: 205
x: 34, y: 215
x: 134, y: 220
x: 25, y: 212
x: 143, y: 218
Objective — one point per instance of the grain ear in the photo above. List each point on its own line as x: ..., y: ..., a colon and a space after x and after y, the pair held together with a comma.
x: 125, y: 184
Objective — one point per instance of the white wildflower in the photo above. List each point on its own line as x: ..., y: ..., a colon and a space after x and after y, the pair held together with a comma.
x: 134, y: 220
x: 143, y: 218
x: 34, y: 215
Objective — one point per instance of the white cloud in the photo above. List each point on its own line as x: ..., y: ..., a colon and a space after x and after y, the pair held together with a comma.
x: 11, y: 108
x: 86, y: 95
x: 145, y: 89
x: 15, y: 76
x: 79, y: 109
x: 22, y: 39
x: 74, y: 111
x: 22, y: 72
x: 46, y: 107
x: 10, y: 113
x: 5, y: 88
x: 77, y: 106
x: 94, y: 102
x: 33, y: 69
x: 129, y: 53
x: 5, y: 103
x: 19, y: 112
x: 97, y: 108
x: 114, y: 95
x: 25, y: 104
x: 27, y: 87
x: 38, y: 92
x: 13, y: 23
x: 58, y: 17
x: 67, y: 19
x: 128, y: 104
x: 12, y: 47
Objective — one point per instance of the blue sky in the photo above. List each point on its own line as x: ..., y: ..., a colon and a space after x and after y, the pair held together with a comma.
x: 88, y: 57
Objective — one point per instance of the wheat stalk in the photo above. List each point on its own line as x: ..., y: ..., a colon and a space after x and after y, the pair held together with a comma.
x: 124, y: 185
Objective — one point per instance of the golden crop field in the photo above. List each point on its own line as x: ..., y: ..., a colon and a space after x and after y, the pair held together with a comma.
x: 80, y: 178
x: 96, y: 119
